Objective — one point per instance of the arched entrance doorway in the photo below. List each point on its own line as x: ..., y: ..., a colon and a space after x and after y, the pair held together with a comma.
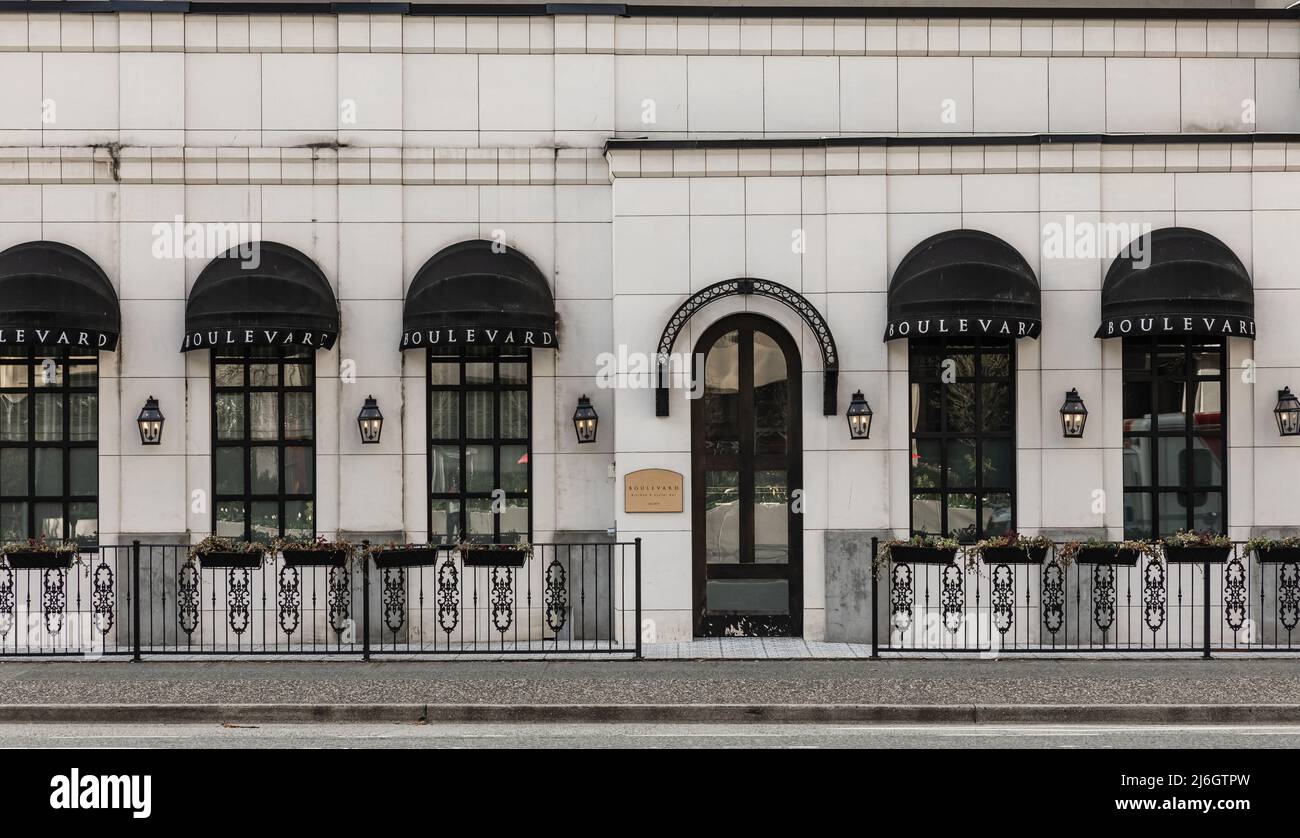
x: 746, y: 461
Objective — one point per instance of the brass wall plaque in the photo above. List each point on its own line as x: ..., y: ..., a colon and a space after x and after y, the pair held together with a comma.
x: 652, y: 490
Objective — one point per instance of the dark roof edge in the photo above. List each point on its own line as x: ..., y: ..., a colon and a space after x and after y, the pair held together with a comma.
x: 623, y: 10
x: 955, y: 140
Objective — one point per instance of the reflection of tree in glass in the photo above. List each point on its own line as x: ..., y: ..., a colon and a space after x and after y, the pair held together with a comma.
x: 925, y: 464
x: 721, y: 488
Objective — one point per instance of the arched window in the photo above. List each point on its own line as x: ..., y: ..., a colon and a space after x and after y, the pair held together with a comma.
x: 961, y: 299
x: 263, y: 310
x: 57, y: 312
x: 1174, y: 296
x: 479, y: 310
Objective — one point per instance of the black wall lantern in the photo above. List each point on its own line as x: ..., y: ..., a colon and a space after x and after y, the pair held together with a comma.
x: 585, y: 421
x: 150, y: 421
x: 1287, y: 413
x: 859, y: 415
x: 1073, y: 415
x: 370, y: 421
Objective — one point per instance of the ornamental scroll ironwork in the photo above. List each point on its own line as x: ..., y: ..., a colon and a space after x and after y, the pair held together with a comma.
x: 1053, y: 597
x: 239, y: 599
x: 448, y: 595
x: 394, y: 598
x: 750, y: 287
x: 952, y: 597
x: 1153, y: 595
x: 1004, y: 598
x: 1234, y: 594
x: 1103, y: 596
x: 102, y: 597
x: 503, y: 598
x: 557, y: 596
x: 188, y: 597
x: 54, y: 598
x: 1288, y: 596
x: 338, y: 600
x: 289, y: 599
x: 7, y: 600
x: 901, y: 597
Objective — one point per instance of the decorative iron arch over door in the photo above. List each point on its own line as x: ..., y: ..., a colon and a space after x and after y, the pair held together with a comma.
x: 746, y: 286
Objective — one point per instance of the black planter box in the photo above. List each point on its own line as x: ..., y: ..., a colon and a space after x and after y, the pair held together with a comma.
x: 1278, y: 555
x: 1014, y: 555
x: 493, y: 556
x: 1196, y: 555
x: 1107, y: 555
x: 231, y: 559
x: 407, y: 557
x: 40, y: 560
x: 911, y: 554
x: 325, y: 558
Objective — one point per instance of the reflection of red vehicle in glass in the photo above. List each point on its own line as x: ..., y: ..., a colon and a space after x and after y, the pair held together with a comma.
x: 1210, y: 423
x: 1207, y: 447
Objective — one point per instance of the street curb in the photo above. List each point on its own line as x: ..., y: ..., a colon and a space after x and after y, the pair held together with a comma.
x: 666, y: 713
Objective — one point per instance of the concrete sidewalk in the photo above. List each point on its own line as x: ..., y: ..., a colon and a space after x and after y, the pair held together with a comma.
x: 898, y: 690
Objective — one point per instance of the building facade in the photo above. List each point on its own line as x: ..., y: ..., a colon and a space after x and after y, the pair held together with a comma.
x: 718, y: 228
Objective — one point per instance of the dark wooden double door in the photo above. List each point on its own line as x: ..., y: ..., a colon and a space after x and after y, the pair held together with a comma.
x: 747, y: 482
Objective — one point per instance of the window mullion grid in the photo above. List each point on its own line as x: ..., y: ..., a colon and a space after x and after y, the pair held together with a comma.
x: 528, y: 420
x: 463, y: 434
x: 978, y: 427
x: 280, y: 442
x: 65, y: 398
x: 496, y: 442
x: 245, y: 395
x: 31, y: 442
x: 1191, y: 391
x: 1153, y: 434
x: 943, y: 449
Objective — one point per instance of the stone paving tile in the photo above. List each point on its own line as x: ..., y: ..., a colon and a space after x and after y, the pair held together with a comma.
x: 551, y: 681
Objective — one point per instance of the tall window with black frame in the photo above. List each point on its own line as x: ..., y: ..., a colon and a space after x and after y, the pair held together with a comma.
x: 480, y: 445
x: 1175, y: 415
x: 264, y: 449
x: 962, y: 427
x: 49, y: 444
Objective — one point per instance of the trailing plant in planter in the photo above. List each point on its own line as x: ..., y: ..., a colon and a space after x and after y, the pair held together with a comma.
x: 1100, y: 551
x: 1011, y: 548
x: 39, y: 554
x: 315, y: 551
x: 1275, y: 549
x: 218, y: 551
x: 393, y: 554
x: 473, y: 554
x: 931, y: 549
x: 1192, y: 546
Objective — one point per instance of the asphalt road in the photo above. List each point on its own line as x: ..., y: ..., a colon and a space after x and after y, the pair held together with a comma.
x: 644, y: 736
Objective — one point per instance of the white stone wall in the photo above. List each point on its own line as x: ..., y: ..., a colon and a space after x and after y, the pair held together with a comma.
x: 426, y: 82
x: 369, y: 240
x: 370, y: 142
x: 861, y: 211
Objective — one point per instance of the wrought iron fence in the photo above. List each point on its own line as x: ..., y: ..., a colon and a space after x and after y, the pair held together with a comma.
x: 154, y: 599
x: 1148, y: 604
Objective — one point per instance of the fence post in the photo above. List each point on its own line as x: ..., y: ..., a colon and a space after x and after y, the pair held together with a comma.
x: 1205, y: 606
x: 875, y: 598
x: 365, y: 600
x: 136, y: 601
x: 637, y: 628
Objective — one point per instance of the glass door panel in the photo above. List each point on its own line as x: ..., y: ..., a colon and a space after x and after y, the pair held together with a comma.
x: 746, y: 454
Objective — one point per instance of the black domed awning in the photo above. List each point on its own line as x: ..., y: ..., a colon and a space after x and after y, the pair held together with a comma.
x: 482, y: 293
x: 1177, y: 281
x: 52, y: 294
x: 964, y: 283
x: 261, y: 294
